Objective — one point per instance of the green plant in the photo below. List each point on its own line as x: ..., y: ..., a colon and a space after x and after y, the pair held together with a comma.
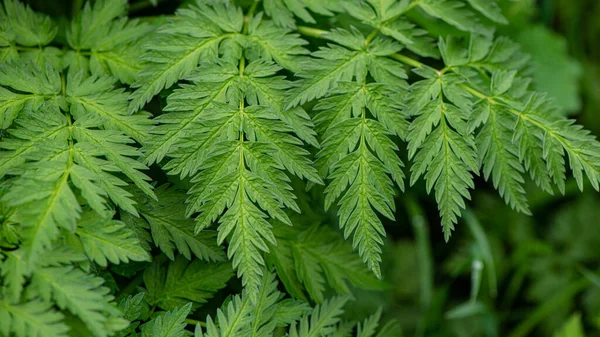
x: 105, y: 203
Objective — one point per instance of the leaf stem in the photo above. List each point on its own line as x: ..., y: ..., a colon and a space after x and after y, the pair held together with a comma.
x: 21, y: 48
x: 194, y: 322
x: 312, y: 32
x: 371, y: 37
x: 407, y: 60
x: 249, y: 15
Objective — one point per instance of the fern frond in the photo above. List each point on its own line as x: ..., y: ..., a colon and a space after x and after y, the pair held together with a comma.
x: 322, y: 320
x: 22, y: 89
x: 442, y: 142
x: 334, y: 64
x: 167, y: 324
x: 236, y: 154
x: 368, y: 328
x: 490, y: 9
x: 43, y: 200
x: 356, y: 121
x: 388, y: 17
x: 195, y: 33
x: 35, y: 318
x: 26, y: 27
x: 233, y: 320
x: 271, y: 43
x: 105, y: 239
x: 453, y: 12
x: 184, y: 281
x: 104, y: 33
x: 241, y: 318
x: 282, y: 12
x: 316, y: 258
x: 538, y: 128
x: 54, y: 157
x: 521, y: 130
x: 171, y: 230
x: 97, y: 96
x: 82, y: 294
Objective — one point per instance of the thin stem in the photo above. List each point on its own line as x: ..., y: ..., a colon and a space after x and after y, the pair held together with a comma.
x: 249, y: 15
x: 411, y: 6
x: 194, y: 322
x: 242, y: 66
x: 371, y: 37
x: 312, y: 32
x: 21, y: 48
x: 407, y: 60
x: 63, y: 86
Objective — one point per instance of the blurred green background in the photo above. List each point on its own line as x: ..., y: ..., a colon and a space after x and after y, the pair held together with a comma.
x: 502, y: 273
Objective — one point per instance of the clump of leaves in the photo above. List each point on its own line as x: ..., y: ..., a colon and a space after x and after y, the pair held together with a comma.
x: 252, y: 109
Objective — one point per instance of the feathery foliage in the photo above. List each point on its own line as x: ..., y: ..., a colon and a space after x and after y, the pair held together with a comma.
x: 68, y: 152
x: 144, y: 161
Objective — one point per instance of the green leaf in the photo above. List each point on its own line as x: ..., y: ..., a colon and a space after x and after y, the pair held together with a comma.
x: 97, y: 96
x: 452, y: 12
x: 82, y: 294
x: 106, y: 240
x: 500, y: 156
x: 316, y: 257
x: 322, y: 321
x: 239, y: 317
x: 182, y: 282
x: 22, y: 89
x: 31, y: 319
x: 283, y: 11
x: 357, y: 155
x: 112, y: 41
x: 27, y: 27
x: 167, y: 324
x: 195, y: 33
x: 490, y: 9
x: 329, y: 66
x: 43, y: 200
x: 368, y: 328
x: 171, y: 230
x: 441, y: 143
x: 233, y: 319
x: 269, y: 42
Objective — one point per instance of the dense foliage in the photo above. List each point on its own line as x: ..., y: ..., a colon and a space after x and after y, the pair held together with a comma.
x: 248, y: 168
